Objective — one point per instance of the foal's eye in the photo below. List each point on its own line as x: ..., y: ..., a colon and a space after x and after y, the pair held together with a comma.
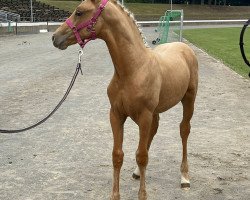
x: 78, y: 13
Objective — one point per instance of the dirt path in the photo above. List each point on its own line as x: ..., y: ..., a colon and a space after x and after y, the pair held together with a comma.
x: 69, y: 157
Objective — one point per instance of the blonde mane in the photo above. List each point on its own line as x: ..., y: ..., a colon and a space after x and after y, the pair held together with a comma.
x: 138, y: 26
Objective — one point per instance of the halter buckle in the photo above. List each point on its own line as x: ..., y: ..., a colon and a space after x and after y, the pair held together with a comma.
x: 74, y: 29
x: 90, y: 27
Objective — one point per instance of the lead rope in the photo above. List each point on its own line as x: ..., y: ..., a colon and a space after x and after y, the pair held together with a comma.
x: 78, y: 68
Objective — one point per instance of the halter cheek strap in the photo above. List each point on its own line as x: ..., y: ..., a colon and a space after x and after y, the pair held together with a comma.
x: 88, y: 24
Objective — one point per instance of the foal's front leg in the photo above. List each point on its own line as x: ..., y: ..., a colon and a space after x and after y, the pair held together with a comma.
x: 117, y: 123
x: 144, y: 122
x: 153, y: 130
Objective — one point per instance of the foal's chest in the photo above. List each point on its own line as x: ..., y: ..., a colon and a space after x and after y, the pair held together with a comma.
x: 131, y: 96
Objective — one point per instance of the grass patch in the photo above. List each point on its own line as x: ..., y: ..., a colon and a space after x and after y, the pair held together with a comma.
x: 145, y: 11
x: 223, y: 44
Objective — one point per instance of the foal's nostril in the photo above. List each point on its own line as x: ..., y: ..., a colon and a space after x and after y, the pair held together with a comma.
x: 53, y: 38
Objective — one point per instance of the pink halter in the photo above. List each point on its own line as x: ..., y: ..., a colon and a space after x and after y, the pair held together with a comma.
x: 88, y: 24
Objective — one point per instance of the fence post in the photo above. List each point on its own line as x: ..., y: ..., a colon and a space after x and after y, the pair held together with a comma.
x: 47, y: 25
x: 9, y: 27
x: 16, y: 26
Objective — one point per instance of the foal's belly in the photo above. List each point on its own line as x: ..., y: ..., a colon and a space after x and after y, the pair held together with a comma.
x: 175, y: 83
x: 168, y: 101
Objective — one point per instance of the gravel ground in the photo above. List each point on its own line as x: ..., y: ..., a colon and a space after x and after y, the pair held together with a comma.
x: 69, y: 157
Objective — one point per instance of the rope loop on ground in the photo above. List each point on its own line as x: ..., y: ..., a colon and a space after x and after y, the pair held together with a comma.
x: 78, y: 68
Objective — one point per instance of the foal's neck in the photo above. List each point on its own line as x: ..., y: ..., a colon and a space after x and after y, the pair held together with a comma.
x: 125, y: 44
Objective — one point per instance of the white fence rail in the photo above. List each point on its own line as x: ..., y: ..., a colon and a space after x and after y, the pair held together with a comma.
x: 200, y: 21
x: 140, y: 22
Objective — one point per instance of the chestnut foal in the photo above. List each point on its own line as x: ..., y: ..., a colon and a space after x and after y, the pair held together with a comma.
x: 145, y: 83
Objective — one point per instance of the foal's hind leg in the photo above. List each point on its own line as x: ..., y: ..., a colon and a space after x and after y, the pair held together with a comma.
x: 188, y: 108
x: 153, y: 130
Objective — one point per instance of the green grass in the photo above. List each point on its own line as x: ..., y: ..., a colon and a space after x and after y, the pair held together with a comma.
x: 144, y: 11
x: 223, y: 44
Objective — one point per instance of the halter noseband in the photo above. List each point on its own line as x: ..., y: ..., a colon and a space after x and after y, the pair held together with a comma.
x: 88, y: 24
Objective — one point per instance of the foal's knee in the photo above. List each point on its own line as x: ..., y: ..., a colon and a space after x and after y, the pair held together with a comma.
x: 117, y: 158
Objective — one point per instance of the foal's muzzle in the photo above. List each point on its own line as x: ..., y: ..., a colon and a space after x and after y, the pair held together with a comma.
x: 59, y: 41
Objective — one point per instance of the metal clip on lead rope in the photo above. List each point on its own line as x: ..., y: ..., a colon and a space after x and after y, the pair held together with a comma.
x: 79, y: 66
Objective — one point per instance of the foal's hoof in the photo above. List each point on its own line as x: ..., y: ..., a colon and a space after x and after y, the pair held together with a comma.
x: 142, y: 195
x: 115, y: 196
x: 135, y: 176
x: 185, y: 186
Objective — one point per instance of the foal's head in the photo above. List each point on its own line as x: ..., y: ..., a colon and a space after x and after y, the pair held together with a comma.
x: 81, y: 26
